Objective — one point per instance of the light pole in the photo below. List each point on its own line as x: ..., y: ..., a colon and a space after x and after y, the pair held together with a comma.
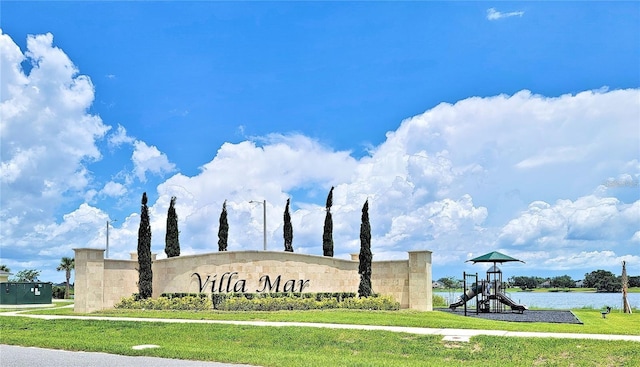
x: 264, y: 220
x: 108, y: 224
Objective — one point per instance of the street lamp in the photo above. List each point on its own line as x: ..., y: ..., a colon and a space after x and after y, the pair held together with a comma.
x: 108, y: 224
x: 264, y: 220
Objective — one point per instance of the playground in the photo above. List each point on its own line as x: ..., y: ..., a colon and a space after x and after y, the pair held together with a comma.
x: 486, y: 297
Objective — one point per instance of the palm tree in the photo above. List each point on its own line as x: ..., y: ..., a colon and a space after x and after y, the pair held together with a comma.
x: 3, y: 267
x: 67, y: 264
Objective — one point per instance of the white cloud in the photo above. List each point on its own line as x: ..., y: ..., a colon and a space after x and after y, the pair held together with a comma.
x: 493, y: 14
x: 589, y: 218
x: 149, y: 159
x: 554, y: 155
x: 145, y: 158
x: 120, y: 137
x: 13, y: 169
x: 537, y: 224
x: 590, y: 261
x: 431, y: 185
x: 589, y: 233
x: 114, y: 189
x: 13, y: 78
x: 494, y: 134
x: 243, y: 172
x: 46, y: 166
x: 524, y: 174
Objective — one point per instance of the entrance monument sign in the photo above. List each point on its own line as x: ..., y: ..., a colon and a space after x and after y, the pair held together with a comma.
x: 101, y: 283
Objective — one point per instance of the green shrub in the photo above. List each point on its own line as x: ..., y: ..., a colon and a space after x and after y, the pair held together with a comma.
x: 304, y: 301
x: 259, y: 301
x: 187, y: 302
x: 290, y: 301
x: 127, y: 303
x: 439, y: 301
x: 57, y: 292
x: 371, y: 303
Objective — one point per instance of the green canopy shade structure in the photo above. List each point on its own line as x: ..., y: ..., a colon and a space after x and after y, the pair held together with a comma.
x: 493, y: 257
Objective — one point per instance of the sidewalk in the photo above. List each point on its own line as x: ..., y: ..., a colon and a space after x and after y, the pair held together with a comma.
x: 461, y: 335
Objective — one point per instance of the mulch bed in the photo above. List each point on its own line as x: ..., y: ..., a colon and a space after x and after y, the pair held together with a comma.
x: 552, y: 316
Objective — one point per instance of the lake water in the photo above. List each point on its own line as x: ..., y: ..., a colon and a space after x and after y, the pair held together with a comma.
x: 562, y: 300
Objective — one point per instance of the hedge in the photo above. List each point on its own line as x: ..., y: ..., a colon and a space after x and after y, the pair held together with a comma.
x: 189, y: 302
x: 260, y: 301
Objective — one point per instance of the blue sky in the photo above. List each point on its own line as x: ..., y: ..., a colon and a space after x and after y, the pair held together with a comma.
x: 470, y: 127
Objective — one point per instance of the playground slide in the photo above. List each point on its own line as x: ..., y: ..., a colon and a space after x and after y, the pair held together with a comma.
x: 469, y: 294
x: 509, y: 302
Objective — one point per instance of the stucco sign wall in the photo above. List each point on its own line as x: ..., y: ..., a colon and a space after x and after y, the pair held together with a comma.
x: 101, y: 283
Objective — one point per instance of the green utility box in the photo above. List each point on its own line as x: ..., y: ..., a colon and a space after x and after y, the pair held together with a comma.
x: 19, y: 293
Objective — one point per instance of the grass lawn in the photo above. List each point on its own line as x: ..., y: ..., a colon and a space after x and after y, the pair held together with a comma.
x: 56, y: 303
x: 298, y: 346
x: 593, y: 323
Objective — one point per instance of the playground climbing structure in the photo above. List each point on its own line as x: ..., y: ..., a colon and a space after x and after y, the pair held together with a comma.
x: 488, y: 294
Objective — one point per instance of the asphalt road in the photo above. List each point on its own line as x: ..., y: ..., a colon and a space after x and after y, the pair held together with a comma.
x: 14, y: 356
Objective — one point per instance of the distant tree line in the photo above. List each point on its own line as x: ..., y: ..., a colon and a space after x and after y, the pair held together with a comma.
x: 450, y: 282
x: 601, y: 280
x: 524, y: 282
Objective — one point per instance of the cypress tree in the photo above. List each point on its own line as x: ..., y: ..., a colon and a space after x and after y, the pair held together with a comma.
x: 223, y: 229
x: 145, y: 275
x: 288, y: 229
x: 171, y: 240
x: 327, y: 234
x: 364, y: 269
